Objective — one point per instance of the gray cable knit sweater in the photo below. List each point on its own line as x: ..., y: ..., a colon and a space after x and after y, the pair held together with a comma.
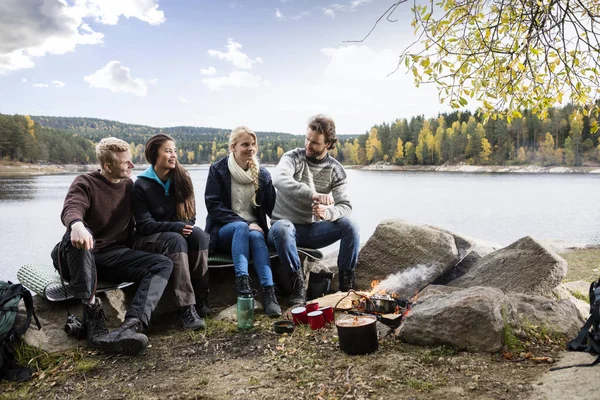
x: 297, y: 177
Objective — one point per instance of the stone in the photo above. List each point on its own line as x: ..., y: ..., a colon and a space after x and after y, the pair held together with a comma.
x: 562, y: 292
x: 415, y: 254
x: 556, y: 316
x: 525, y: 266
x: 468, y: 319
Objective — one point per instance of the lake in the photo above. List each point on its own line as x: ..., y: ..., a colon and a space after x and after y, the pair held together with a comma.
x: 497, y: 207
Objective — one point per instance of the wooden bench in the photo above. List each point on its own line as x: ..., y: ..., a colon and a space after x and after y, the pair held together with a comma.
x: 44, y: 280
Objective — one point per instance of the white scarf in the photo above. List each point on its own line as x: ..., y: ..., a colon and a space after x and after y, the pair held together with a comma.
x: 238, y: 173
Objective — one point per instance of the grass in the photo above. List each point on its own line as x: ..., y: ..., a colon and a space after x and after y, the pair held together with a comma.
x: 511, y: 342
x: 584, y: 265
x: 581, y: 296
x: 42, y: 361
x: 419, y: 385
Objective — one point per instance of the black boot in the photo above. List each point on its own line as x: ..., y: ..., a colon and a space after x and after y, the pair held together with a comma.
x: 242, y: 285
x: 347, y: 280
x: 189, y: 318
x: 125, y: 339
x: 93, y: 322
x: 270, y: 303
x: 298, y: 295
x: 203, y: 307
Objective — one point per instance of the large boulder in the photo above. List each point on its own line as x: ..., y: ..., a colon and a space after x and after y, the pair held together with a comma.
x: 398, y: 247
x: 556, y: 316
x: 469, y: 319
x: 525, y: 266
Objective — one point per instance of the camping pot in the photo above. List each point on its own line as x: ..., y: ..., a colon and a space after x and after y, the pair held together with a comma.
x: 382, y: 304
x: 357, y: 334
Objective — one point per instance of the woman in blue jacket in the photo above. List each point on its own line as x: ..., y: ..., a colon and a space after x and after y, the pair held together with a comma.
x: 165, y: 213
x: 239, y: 195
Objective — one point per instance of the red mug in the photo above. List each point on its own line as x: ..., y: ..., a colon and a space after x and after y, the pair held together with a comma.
x: 316, y: 320
x: 299, y: 315
x: 327, y: 313
x: 310, y: 307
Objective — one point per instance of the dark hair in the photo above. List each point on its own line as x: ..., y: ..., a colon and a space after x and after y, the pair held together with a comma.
x: 325, y: 126
x: 180, y: 179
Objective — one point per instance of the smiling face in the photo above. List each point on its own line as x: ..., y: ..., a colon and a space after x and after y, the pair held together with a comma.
x: 243, y: 149
x: 166, y: 157
x: 120, y: 168
x: 315, y: 144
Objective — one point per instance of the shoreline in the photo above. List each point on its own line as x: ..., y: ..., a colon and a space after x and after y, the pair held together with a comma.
x: 474, y: 169
x: 19, y: 169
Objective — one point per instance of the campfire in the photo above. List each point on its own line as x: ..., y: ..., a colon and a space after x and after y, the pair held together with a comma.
x: 387, y: 306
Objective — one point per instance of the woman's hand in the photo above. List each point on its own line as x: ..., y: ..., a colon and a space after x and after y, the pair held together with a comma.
x: 255, y: 227
x: 187, y: 230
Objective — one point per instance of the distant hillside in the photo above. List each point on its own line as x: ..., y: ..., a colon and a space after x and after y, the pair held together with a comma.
x: 95, y: 129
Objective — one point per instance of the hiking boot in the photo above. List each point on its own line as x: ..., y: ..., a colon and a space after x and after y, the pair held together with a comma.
x: 242, y: 285
x: 347, y: 280
x: 189, y: 318
x: 270, y: 303
x: 203, y: 308
x: 125, y: 339
x: 93, y: 322
x: 298, y: 295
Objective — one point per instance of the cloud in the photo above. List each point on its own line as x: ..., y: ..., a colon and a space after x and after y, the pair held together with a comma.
x: 279, y: 15
x: 208, y: 71
x: 153, y: 81
x: 357, y: 3
x: 360, y: 63
x: 234, y: 79
x: 235, y: 56
x: 58, y: 84
x: 23, y: 80
x: 183, y: 100
x: 116, y: 78
x: 328, y: 12
x: 34, y: 28
x: 40, y: 85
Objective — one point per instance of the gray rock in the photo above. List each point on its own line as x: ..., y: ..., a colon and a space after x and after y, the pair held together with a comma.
x: 526, y: 266
x: 466, y: 319
x: 561, y: 292
x: 421, y: 252
x: 558, y: 316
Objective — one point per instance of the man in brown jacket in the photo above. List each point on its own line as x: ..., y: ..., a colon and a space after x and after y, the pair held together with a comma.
x: 99, y: 220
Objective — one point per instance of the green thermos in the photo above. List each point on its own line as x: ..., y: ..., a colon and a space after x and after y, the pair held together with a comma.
x: 245, y: 312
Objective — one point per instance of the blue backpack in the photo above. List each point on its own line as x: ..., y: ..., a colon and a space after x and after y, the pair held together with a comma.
x: 10, y: 332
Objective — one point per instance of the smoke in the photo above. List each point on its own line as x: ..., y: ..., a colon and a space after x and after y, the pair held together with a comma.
x: 405, y: 283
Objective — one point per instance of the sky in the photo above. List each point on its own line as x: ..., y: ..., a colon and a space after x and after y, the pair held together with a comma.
x: 267, y: 64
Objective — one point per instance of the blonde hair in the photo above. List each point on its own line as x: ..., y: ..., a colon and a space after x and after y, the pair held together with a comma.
x: 234, y: 137
x: 106, y: 149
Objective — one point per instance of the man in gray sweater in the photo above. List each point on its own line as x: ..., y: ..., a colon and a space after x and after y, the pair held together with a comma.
x: 312, y: 207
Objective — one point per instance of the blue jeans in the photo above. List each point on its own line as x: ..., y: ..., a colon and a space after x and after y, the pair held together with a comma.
x: 286, y: 236
x: 240, y: 240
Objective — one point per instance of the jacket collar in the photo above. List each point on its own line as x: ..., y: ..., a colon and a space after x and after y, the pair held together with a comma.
x: 149, y: 173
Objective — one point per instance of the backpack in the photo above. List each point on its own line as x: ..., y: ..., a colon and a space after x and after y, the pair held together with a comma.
x: 10, y: 333
x: 588, y: 339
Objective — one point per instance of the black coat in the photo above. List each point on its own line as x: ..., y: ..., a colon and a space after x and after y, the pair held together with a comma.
x: 218, y: 200
x: 154, y: 211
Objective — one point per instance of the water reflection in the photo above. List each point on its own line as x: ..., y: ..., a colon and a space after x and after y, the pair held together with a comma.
x: 17, y: 189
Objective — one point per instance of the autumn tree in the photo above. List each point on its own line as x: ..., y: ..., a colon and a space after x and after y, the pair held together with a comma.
x: 505, y: 55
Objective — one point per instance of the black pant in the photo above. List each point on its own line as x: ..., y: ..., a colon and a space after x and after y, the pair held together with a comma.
x: 190, y: 261
x: 82, y: 268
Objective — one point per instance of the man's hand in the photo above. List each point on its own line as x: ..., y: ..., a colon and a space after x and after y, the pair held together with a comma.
x: 255, y: 227
x: 81, y: 238
x: 187, y: 230
x: 319, y: 210
x: 325, y: 199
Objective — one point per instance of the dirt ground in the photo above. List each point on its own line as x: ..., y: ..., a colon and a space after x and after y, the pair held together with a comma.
x: 224, y: 363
